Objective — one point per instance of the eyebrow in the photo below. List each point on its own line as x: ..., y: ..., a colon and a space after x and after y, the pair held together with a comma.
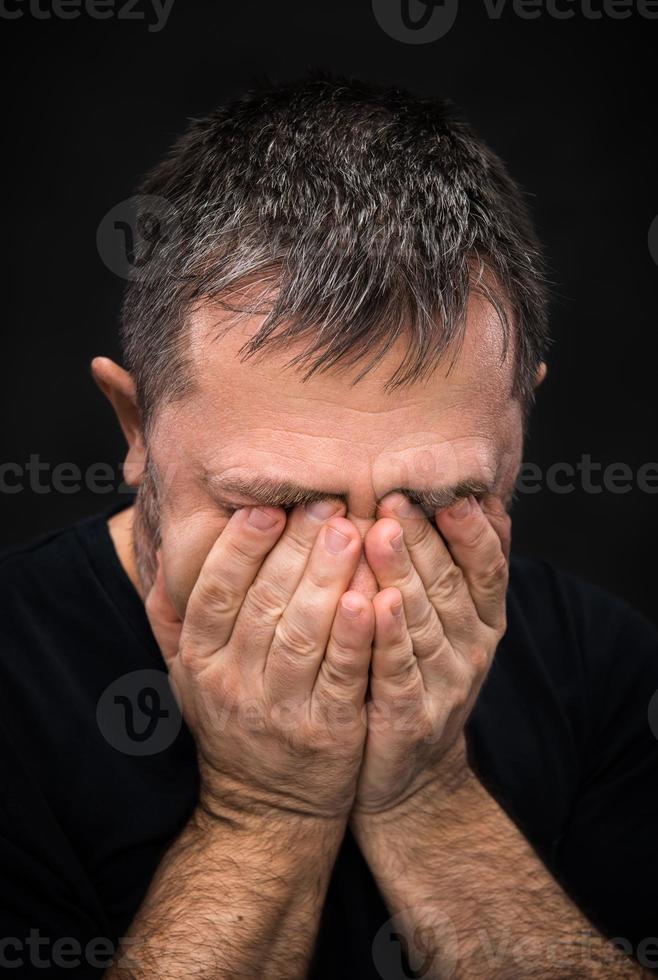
x: 282, y: 493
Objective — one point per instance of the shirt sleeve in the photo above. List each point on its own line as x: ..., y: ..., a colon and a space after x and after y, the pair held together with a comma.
x: 607, y: 857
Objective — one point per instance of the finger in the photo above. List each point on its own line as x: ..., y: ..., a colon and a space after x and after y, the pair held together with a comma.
x: 498, y: 517
x: 302, y: 633
x: 393, y: 657
x: 277, y: 580
x: 226, y: 575
x: 477, y: 549
x: 390, y: 561
x: 162, y: 616
x: 342, y: 677
x: 442, y: 579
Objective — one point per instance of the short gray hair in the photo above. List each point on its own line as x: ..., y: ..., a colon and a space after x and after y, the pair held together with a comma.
x: 360, y: 213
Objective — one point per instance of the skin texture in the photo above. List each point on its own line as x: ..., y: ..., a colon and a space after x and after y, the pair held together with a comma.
x: 260, y: 418
x: 326, y: 717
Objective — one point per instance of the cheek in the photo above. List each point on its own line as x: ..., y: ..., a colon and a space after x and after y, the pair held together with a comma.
x: 186, y: 542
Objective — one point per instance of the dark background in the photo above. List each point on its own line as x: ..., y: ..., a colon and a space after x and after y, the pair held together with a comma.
x: 569, y: 104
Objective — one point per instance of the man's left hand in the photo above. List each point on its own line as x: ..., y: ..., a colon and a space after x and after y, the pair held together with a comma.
x: 429, y: 661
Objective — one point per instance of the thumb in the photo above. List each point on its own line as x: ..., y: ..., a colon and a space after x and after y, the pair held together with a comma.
x: 162, y: 616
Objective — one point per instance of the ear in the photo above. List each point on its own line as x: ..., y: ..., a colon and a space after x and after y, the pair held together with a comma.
x: 542, y: 371
x: 119, y: 388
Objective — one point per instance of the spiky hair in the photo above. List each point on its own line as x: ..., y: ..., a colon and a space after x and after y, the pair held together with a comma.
x: 357, y: 215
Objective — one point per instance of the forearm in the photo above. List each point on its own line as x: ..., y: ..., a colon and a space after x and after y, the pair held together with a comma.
x: 233, y: 900
x: 472, y: 897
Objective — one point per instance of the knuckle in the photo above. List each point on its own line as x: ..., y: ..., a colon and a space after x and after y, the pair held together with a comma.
x: 332, y: 718
x: 266, y: 600
x: 477, y: 533
x: 295, y: 540
x: 447, y: 584
x: 344, y: 644
x: 405, y: 672
x: 338, y: 669
x: 478, y: 660
x: 287, y: 716
x: 189, y: 659
x: 428, y: 624
x: 463, y: 687
x: 223, y: 701
x: 217, y: 593
x: 318, y: 576
x: 495, y: 572
x: 408, y: 580
x: 241, y: 551
x: 420, y: 532
x: 460, y: 702
x: 293, y: 639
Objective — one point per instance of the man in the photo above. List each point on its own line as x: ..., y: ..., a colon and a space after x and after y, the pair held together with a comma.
x: 402, y: 754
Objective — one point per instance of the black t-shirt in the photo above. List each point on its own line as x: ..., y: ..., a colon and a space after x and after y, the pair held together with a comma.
x: 99, y: 773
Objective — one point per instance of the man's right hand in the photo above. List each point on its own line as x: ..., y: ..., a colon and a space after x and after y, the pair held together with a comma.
x: 270, y: 668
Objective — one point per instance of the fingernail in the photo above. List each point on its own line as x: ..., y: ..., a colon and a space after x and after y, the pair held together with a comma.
x: 405, y: 508
x: 397, y: 609
x: 350, y: 607
x: 335, y: 541
x: 320, y: 510
x: 262, y: 519
x: 399, y: 504
x: 397, y: 543
x: 462, y: 508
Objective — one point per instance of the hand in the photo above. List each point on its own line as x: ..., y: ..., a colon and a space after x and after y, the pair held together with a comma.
x: 438, y: 619
x: 271, y: 663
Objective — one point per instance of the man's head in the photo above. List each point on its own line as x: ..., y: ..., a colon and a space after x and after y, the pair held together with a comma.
x: 352, y: 303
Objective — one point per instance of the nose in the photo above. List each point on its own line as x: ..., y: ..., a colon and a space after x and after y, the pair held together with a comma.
x: 363, y: 580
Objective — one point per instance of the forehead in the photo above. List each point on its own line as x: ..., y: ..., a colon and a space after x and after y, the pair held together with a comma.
x: 258, y: 416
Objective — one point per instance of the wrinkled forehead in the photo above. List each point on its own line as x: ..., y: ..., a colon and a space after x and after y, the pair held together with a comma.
x: 258, y: 416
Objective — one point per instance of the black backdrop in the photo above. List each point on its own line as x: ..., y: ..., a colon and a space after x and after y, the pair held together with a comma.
x: 569, y: 102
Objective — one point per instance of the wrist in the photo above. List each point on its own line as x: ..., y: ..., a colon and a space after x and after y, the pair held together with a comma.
x: 230, y: 812
x: 233, y: 796
x: 411, y: 848
x: 275, y: 856
x: 432, y: 792
x: 439, y: 813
